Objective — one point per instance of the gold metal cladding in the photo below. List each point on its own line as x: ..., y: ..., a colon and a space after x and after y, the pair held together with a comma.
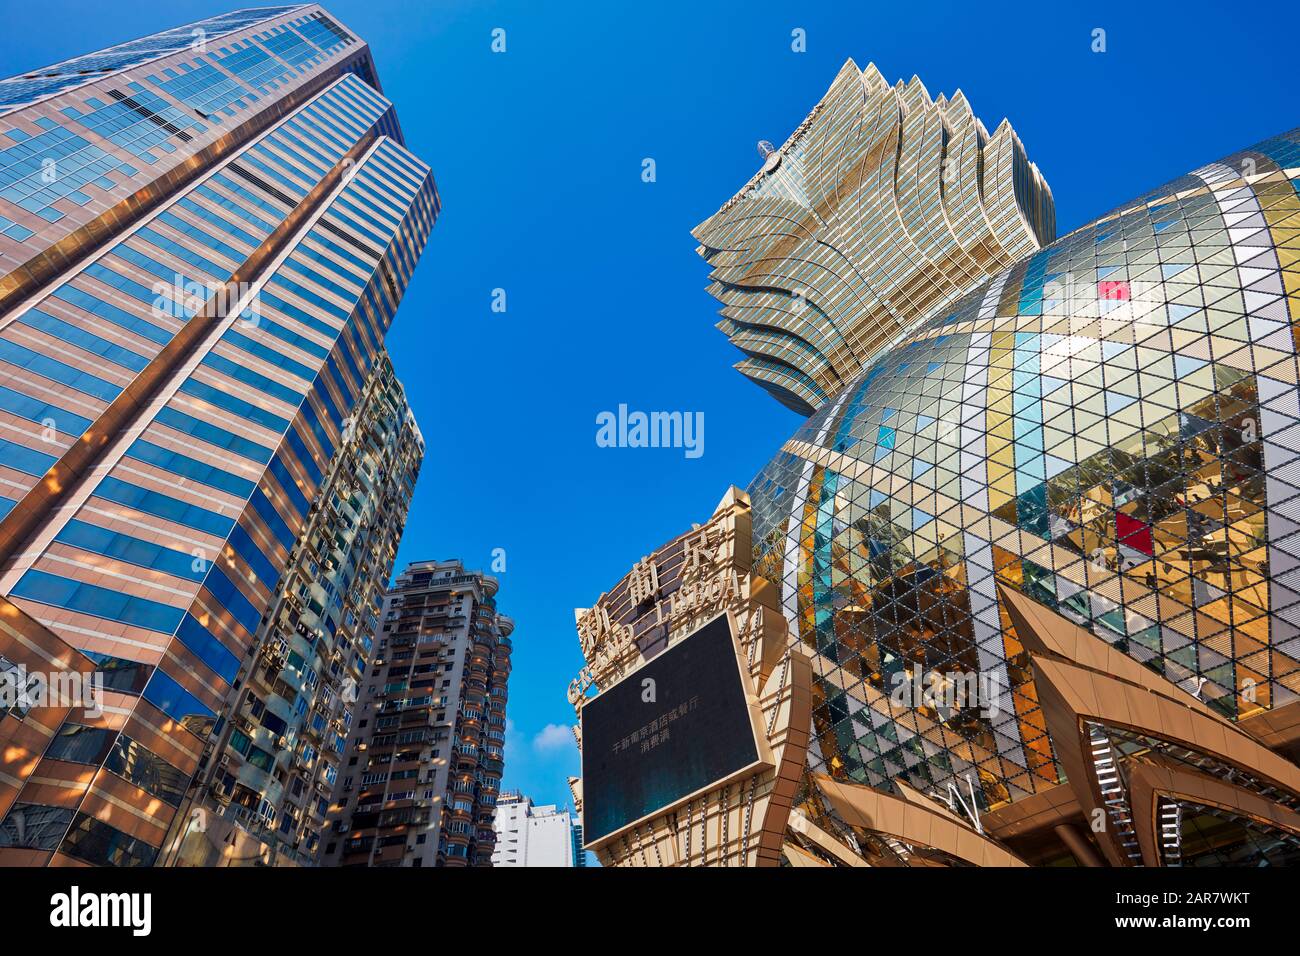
x: 1110, y: 427
x: 805, y: 828
x: 800, y: 858
x: 1084, y: 684
x: 1150, y: 781
x: 913, y: 819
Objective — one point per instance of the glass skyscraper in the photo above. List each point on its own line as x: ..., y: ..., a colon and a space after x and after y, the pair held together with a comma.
x: 883, y: 205
x: 1080, y: 483
x: 1040, y: 536
x: 205, y: 235
x: 267, y: 777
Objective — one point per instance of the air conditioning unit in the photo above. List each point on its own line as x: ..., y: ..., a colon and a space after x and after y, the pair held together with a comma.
x: 224, y: 761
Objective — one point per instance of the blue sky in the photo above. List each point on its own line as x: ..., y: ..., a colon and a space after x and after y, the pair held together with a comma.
x: 538, y: 154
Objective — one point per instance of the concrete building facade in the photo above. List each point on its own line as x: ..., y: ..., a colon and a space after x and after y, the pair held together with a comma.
x: 529, y: 835
x: 423, y: 764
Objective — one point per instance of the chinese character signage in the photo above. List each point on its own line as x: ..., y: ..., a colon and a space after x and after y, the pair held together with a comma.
x: 679, y: 725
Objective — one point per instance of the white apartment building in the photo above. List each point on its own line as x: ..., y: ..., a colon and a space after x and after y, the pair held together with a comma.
x: 529, y: 835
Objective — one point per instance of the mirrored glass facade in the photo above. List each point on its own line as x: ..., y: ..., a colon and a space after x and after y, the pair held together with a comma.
x: 1109, y: 429
x: 87, y: 146
x: 884, y: 206
x: 207, y: 458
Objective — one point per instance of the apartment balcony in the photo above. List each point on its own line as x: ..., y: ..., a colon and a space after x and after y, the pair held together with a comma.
x: 455, y: 813
x: 390, y: 854
x: 358, y: 847
x: 275, y: 653
x: 455, y: 839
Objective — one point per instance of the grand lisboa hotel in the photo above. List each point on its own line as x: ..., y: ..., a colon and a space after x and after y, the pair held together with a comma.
x: 1067, y: 467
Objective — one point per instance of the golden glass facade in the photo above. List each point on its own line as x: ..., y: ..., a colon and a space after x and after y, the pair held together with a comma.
x: 883, y: 207
x: 1111, y: 429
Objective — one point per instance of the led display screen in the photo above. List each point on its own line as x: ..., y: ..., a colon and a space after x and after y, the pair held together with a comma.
x: 674, y: 727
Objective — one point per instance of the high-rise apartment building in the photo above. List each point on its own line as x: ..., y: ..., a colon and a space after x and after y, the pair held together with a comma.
x: 882, y: 208
x: 271, y: 770
x: 529, y: 835
x: 205, y: 235
x: 423, y: 765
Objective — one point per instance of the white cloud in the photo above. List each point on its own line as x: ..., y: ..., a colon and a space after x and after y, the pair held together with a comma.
x: 553, y: 737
